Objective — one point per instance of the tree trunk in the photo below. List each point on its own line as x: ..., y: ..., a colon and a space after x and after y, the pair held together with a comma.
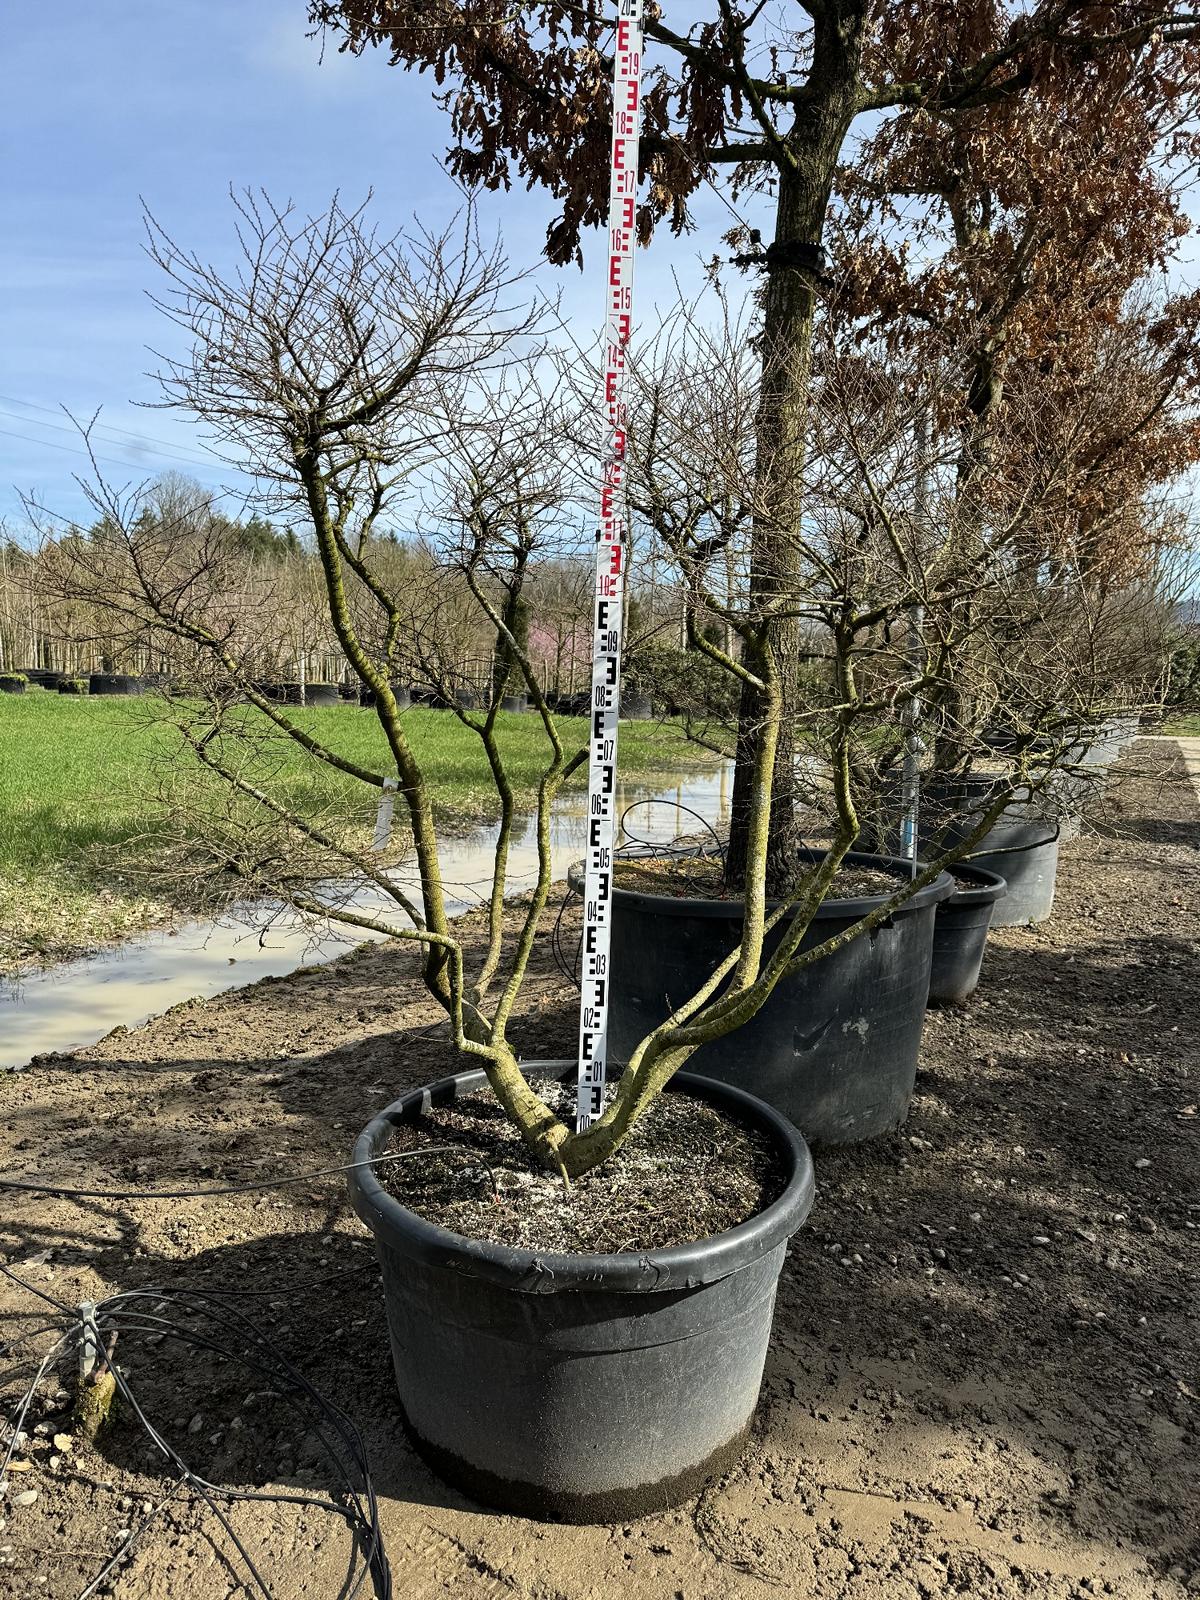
x: 789, y: 306
x: 956, y: 710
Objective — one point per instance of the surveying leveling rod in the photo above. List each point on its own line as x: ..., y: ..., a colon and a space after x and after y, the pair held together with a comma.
x: 610, y: 572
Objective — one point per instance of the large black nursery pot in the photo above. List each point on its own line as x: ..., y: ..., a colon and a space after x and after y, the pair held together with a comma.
x: 835, y: 1046
x: 321, y: 694
x: 114, y: 683
x: 11, y: 684
x: 1081, y: 768
x: 579, y: 1388
x: 960, y: 931
x: 570, y: 705
x: 401, y: 693
x: 1021, y: 846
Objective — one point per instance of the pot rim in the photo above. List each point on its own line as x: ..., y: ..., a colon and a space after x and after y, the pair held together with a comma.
x: 685, y: 1266
x: 850, y: 909
x: 989, y: 886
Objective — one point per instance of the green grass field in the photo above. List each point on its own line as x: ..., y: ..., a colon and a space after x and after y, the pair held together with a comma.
x: 1186, y: 726
x: 82, y: 785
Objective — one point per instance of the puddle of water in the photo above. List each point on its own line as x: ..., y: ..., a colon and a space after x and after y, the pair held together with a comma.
x: 75, y: 1004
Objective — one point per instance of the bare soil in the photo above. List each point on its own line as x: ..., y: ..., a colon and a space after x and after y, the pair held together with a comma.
x: 983, y: 1375
x: 687, y: 1172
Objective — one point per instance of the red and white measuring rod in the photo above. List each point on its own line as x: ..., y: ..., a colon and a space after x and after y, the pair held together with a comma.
x: 610, y: 571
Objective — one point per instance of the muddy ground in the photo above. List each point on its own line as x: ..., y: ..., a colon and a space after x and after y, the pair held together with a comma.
x: 983, y: 1376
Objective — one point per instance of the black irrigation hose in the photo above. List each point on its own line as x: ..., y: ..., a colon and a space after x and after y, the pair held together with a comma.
x: 137, y: 1311
x: 234, y: 1337
x: 59, y: 1305
x: 679, y: 846
x: 149, y: 1322
x: 568, y: 966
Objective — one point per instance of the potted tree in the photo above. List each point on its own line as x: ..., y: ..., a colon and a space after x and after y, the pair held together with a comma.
x: 558, y: 1349
x: 894, y: 611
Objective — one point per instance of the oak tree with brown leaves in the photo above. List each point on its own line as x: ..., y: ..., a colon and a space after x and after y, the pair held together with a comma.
x: 765, y: 100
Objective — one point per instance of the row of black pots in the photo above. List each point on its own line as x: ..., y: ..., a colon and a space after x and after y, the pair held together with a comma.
x: 295, y: 694
x: 97, y: 683
x: 1021, y: 846
x: 37, y: 677
x: 594, y: 1388
x: 465, y: 699
x: 836, y: 1047
x: 41, y: 677
x: 1084, y: 765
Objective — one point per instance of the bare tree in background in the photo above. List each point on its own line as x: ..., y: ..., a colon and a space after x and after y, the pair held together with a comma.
x: 896, y: 611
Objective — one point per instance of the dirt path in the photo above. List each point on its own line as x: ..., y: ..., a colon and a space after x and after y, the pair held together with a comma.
x: 983, y: 1378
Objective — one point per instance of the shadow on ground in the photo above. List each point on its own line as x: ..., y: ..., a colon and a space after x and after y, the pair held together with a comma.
x: 982, y: 1378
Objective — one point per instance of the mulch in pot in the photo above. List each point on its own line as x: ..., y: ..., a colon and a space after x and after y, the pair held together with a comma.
x: 687, y: 1172
x: 703, y: 877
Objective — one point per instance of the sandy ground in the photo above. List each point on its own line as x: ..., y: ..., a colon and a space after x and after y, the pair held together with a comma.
x: 983, y: 1376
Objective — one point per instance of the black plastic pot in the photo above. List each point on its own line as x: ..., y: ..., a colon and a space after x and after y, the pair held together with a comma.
x: 45, y: 677
x: 114, y: 683
x: 835, y: 1046
x: 579, y: 1388
x: 403, y: 696
x: 514, y: 702
x: 960, y: 931
x: 11, y: 685
x: 571, y: 705
x: 437, y: 701
x: 321, y: 694
x: 72, y: 686
x: 1021, y: 847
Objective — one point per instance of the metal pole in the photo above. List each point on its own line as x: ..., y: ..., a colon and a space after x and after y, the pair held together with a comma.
x: 911, y: 791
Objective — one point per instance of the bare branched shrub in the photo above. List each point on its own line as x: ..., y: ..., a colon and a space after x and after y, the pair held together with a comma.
x: 377, y: 387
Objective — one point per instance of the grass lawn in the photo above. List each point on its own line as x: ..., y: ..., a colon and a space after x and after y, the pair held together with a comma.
x: 81, y: 785
x: 1185, y: 726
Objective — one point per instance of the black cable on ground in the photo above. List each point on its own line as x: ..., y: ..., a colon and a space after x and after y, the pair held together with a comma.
x: 28, y: 1186
x: 680, y: 845
x: 567, y: 967
x: 203, y: 1323
x: 203, y: 1320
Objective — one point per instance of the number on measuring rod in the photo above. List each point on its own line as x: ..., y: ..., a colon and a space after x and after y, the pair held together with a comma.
x: 610, y: 569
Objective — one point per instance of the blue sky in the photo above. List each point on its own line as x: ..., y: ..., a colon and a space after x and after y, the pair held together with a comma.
x: 173, y: 101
